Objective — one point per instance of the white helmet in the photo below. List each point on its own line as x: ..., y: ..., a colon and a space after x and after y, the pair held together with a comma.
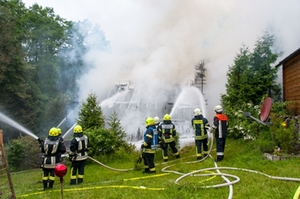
x: 156, y: 119
x: 219, y: 108
x: 197, y: 111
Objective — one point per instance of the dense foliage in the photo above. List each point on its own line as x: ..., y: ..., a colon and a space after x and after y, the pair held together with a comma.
x: 23, y: 153
x: 41, y: 62
x: 102, y: 140
x: 251, y: 79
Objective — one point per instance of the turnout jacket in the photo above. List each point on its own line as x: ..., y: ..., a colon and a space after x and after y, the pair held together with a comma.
x: 148, y: 139
x: 220, y: 124
x: 166, y: 131
x: 51, y: 147
x: 79, y: 147
x: 200, y: 125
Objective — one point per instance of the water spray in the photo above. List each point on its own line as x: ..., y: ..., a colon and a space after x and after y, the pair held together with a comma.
x: 70, y: 130
x: 16, y: 125
x: 65, y: 119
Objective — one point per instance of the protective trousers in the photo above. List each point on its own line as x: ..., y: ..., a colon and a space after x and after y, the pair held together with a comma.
x: 166, y: 150
x: 220, y: 142
x: 149, y: 163
x: 77, y: 172
x: 48, y: 177
x: 201, y: 144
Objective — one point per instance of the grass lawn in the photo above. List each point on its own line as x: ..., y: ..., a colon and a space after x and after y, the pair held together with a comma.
x: 244, y: 166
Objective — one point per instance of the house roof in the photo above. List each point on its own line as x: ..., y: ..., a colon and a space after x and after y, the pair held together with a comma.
x: 288, y: 58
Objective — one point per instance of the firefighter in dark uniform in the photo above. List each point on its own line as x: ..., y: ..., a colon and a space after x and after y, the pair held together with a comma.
x: 148, y: 146
x: 220, y: 125
x: 200, y: 125
x: 166, y: 134
x: 50, y: 147
x: 78, y: 155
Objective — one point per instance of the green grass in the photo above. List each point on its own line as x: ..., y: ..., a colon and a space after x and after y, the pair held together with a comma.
x: 100, y: 182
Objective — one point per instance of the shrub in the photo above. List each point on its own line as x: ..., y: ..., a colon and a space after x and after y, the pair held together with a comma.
x: 23, y: 153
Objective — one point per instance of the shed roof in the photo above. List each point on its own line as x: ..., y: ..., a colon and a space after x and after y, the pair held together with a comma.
x: 288, y: 58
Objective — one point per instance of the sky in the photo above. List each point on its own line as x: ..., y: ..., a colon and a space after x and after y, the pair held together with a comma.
x: 157, y: 43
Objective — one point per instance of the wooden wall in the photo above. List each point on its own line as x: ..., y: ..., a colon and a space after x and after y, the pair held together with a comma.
x: 291, y: 83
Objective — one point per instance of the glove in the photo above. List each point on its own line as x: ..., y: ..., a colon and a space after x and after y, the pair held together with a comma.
x: 40, y: 140
x: 142, y: 146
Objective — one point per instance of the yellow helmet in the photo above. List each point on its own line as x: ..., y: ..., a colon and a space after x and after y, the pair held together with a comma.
x: 53, y: 131
x: 167, y: 117
x: 77, y: 129
x: 59, y: 131
x: 149, y: 121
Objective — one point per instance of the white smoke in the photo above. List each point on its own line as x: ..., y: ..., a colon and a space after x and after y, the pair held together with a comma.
x: 156, y: 44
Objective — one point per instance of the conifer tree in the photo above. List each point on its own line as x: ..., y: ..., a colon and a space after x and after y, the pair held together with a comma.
x: 91, y: 115
x: 117, y: 130
x: 251, y: 78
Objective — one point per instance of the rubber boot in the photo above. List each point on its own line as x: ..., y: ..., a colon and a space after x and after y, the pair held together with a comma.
x: 219, y: 158
x: 45, y: 183
x: 146, y: 170
x: 152, y: 170
x: 80, y: 180
x: 51, y: 182
x: 177, y: 156
x: 73, y: 182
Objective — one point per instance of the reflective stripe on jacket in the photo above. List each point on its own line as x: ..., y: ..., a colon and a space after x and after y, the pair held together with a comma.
x: 148, y: 139
x: 220, y: 124
x: 167, y: 131
x: 200, y: 126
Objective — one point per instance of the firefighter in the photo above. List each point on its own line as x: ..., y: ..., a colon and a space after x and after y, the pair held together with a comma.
x: 220, y: 124
x: 50, y: 147
x: 200, y: 125
x: 148, y: 146
x: 166, y: 134
x: 156, y: 121
x: 78, y: 155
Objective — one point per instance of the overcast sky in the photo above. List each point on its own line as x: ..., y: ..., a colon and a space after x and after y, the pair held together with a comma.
x: 161, y: 41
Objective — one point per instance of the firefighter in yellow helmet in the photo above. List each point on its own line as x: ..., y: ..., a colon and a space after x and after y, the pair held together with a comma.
x: 50, y: 148
x: 149, y: 146
x: 78, y: 155
x: 166, y: 134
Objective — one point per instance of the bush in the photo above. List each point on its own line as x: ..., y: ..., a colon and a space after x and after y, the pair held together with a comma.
x: 23, y: 153
x: 285, y: 133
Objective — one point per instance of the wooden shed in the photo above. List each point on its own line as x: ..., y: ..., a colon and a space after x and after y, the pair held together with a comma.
x: 291, y: 80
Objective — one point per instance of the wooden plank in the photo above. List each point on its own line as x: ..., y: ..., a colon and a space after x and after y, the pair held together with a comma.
x: 3, y: 156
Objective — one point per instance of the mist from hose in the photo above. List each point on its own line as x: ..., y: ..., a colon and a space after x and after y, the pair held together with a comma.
x: 16, y: 125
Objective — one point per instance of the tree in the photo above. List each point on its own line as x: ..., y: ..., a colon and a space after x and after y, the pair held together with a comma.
x: 117, y: 130
x: 102, y: 140
x: 250, y: 80
x: 17, y: 97
x: 90, y: 115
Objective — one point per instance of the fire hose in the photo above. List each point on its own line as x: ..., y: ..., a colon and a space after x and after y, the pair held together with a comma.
x: 122, y: 170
